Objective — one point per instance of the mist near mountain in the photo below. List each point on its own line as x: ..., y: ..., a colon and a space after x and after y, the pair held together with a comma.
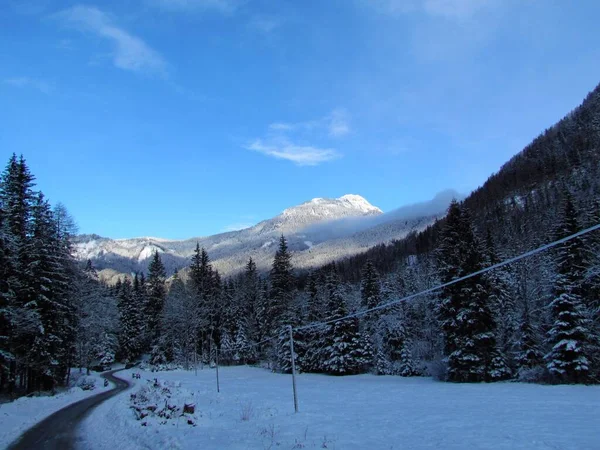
x: 348, y: 226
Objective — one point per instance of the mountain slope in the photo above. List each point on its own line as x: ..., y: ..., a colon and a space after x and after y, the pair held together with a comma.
x: 518, y: 207
x: 318, y: 231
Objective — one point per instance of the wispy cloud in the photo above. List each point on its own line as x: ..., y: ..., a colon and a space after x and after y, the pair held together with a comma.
x: 292, y: 141
x: 130, y: 52
x: 220, y: 6
x: 302, y: 155
x: 237, y: 226
x: 336, y: 124
x: 279, y: 126
x: 27, y: 82
x: 450, y: 9
x: 265, y: 24
x: 65, y: 44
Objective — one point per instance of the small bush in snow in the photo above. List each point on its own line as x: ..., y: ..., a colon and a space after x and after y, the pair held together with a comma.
x: 161, y: 401
x: 532, y: 375
x: 438, y: 369
x: 246, y: 411
x: 159, y: 367
x: 86, y: 383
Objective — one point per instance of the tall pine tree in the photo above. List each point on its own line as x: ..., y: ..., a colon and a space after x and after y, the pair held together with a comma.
x: 466, y: 318
x: 282, y: 287
x: 156, y: 293
x: 568, y: 360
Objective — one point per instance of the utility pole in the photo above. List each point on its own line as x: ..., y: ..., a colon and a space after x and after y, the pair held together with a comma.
x: 195, y: 357
x: 293, y: 368
x: 217, y: 365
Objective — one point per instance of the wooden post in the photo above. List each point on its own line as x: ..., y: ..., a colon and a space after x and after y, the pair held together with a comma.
x: 195, y: 358
x: 293, y: 368
x: 217, y: 364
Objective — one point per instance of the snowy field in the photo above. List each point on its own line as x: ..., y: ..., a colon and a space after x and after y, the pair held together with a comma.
x: 16, y: 417
x: 255, y: 411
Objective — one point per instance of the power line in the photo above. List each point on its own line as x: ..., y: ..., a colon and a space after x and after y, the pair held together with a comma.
x: 457, y: 280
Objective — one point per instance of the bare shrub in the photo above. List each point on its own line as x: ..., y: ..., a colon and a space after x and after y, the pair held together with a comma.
x: 246, y: 411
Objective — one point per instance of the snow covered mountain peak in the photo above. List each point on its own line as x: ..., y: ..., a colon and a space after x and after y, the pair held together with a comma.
x: 360, y: 203
x: 325, y: 209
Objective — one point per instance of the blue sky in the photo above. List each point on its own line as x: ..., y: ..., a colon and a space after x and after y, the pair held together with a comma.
x: 181, y: 118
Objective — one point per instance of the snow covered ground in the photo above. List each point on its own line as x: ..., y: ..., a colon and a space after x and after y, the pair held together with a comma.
x: 16, y: 417
x: 255, y: 411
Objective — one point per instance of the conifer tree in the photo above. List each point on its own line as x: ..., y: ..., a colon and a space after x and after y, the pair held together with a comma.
x: 568, y: 360
x: 245, y: 351
x: 21, y: 321
x: 467, y: 322
x: 202, y: 283
x: 314, y: 302
x: 96, y: 339
x: 6, y: 305
x: 282, y: 286
x: 502, y: 302
x: 251, y: 302
x: 346, y: 350
x: 529, y: 354
x: 156, y: 293
x: 397, y: 343
x: 179, y: 324
x: 131, y: 325
x: 370, y: 288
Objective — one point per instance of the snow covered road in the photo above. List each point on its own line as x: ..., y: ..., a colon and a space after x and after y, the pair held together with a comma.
x: 57, y: 432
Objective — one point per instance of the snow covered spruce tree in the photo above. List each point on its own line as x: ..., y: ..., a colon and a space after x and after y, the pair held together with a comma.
x: 502, y: 301
x: 312, y: 338
x: 49, y: 287
x: 568, y: 360
x: 156, y: 292
x: 529, y: 355
x: 252, y: 307
x: 201, y: 282
x: 131, y: 320
x: 282, y: 283
x: 179, y: 324
x: 394, y: 356
x: 346, y: 351
x: 466, y: 318
x: 6, y: 304
x: 96, y: 339
x: 370, y: 286
x: 37, y: 318
x: 278, y: 312
x: 19, y: 318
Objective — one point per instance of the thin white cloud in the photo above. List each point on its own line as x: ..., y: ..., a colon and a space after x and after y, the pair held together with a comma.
x: 27, y: 82
x: 280, y: 126
x: 237, y: 226
x: 338, y: 123
x: 302, y: 155
x: 265, y: 24
x: 220, y: 6
x: 450, y: 9
x: 287, y: 140
x: 130, y: 52
x: 334, y: 124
